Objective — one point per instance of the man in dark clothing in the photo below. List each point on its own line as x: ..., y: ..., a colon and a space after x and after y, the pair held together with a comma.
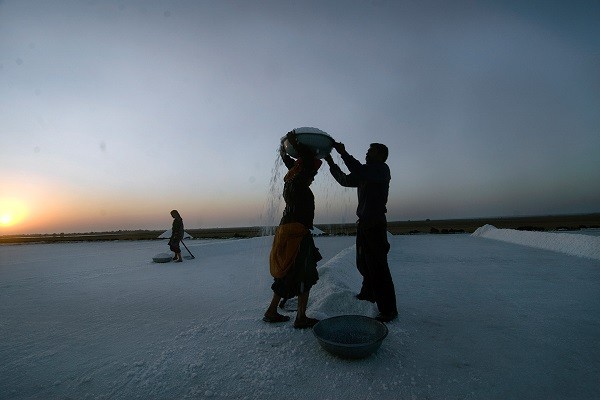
x: 372, y: 181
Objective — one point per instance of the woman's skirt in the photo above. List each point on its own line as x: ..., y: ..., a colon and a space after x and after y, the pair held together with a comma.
x: 303, y: 274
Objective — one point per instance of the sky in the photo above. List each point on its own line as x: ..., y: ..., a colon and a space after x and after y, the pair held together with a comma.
x: 113, y: 113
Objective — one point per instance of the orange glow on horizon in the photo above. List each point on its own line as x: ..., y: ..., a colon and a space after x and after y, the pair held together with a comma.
x: 12, y: 212
x: 30, y: 204
x: 34, y: 205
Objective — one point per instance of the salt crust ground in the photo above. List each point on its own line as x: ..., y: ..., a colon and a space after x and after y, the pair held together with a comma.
x: 479, y: 319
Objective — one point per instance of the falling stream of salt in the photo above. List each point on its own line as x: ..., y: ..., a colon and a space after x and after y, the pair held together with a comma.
x: 274, y: 198
x: 333, y: 203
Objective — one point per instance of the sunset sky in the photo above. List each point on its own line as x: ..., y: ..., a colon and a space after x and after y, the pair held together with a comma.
x: 112, y: 113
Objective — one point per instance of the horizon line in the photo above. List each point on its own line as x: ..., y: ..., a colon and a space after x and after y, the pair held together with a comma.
x: 316, y: 224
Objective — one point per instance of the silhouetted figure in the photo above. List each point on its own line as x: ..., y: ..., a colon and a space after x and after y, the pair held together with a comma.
x: 372, y: 181
x: 294, y: 256
x: 176, y: 235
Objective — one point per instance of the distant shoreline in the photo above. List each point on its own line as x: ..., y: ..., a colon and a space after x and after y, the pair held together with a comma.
x: 447, y: 226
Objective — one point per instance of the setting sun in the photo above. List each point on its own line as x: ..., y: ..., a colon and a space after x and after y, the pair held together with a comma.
x: 11, y: 212
x: 5, y: 219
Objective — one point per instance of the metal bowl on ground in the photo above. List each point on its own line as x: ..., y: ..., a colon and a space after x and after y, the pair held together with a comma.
x: 320, y: 142
x: 162, y: 258
x: 350, y: 336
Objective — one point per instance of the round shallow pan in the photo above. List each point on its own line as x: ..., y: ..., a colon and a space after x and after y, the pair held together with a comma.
x: 316, y: 139
x: 350, y: 336
x: 162, y: 258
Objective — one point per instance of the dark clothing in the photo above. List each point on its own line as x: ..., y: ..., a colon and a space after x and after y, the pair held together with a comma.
x: 372, y: 248
x: 299, y: 199
x: 177, y: 229
x: 299, y: 208
x: 303, y: 274
x: 174, y: 246
x: 373, y: 182
x: 177, y: 233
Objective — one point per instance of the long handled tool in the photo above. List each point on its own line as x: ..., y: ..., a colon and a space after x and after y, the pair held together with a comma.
x: 188, y: 250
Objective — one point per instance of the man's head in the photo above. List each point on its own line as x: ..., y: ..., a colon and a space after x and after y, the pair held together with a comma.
x: 377, y: 153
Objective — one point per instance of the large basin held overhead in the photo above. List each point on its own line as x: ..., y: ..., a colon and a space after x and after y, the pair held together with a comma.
x: 350, y: 336
x: 316, y: 139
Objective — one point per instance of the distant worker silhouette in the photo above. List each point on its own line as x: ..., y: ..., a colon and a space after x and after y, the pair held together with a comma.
x: 176, y: 235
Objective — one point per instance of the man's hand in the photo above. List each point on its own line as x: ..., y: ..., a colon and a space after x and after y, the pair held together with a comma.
x: 339, y: 147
